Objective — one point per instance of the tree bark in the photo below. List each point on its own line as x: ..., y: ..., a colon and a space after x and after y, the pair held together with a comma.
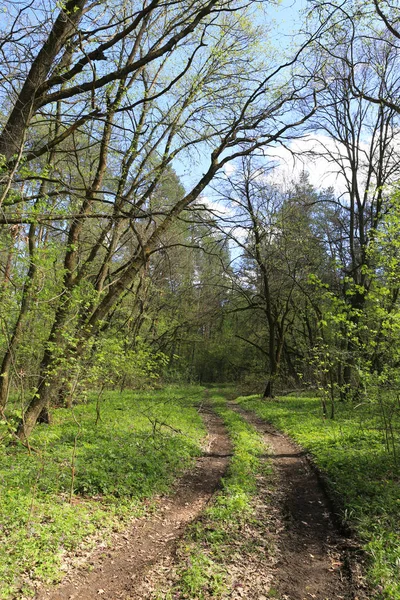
x: 48, y: 379
x: 269, y: 390
x: 16, y: 334
x: 12, y: 136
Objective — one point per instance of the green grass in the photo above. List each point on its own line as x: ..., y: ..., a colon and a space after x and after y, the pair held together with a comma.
x: 205, y: 553
x: 362, y: 474
x: 83, y: 478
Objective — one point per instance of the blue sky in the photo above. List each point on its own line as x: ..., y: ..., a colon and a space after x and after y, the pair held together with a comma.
x: 282, y: 21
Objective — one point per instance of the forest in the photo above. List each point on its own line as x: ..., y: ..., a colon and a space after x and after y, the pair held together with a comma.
x: 200, y: 253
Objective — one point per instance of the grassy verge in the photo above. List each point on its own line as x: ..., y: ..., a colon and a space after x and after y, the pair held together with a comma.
x: 361, y: 473
x: 206, y: 557
x: 82, y: 477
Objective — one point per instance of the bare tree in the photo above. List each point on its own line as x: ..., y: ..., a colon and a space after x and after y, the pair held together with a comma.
x: 359, y: 141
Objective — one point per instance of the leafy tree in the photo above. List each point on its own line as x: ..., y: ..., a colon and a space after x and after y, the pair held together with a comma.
x: 99, y: 117
x: 273, y: 229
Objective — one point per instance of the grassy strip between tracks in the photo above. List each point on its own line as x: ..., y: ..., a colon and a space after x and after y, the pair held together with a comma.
x: 363, y: 476
x: 83, y: 478
x: 228, y: 529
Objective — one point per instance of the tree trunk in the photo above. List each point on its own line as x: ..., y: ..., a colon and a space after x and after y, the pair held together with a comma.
x: 347, y: 372
x: 12, y: 136
x: 48, y: 377
x: 8, y: 356
x: 40, y: 402
x: 16, y: 334
x: 269, y: 390
x: 275, y: 354
x: 5, y: 380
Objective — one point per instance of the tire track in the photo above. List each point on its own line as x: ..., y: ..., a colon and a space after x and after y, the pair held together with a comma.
x: 313, y: 555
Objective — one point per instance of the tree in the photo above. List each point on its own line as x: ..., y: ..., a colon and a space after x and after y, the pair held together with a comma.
x: 358, y: 139
x: 100, y: 115
x: 272, y: 228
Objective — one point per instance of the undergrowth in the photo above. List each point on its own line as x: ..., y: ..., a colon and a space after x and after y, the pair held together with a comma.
x: 362, y: 474
x: 81, y: 478
x: 205, y: 553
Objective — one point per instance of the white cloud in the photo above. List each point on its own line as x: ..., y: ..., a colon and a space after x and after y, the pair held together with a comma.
x: 313, y: 154
x: 229, y: 169
x: 218, y: 208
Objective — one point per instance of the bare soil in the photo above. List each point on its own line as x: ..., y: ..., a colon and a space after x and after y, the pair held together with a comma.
x: 315, y: 559
x: 118, y: 572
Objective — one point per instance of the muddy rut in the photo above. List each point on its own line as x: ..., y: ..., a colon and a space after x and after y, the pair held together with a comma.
x: 117, y: 572
x: 314, y: 561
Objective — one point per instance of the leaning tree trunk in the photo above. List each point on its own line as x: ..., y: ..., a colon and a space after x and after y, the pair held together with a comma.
x: 48, y: 377
x: 16, y: 334
x: 37, y: 410
x: 28, y: 99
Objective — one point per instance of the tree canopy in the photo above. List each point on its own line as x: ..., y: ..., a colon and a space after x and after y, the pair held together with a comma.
x: 118, y: 268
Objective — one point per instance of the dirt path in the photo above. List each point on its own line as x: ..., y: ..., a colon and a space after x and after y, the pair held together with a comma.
x: 313, y: 558
x: 119, y: 571
x: 311, y: 561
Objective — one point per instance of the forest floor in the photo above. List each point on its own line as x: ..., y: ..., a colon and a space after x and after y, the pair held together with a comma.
x: 288, y: 547
x: 120, y: 570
